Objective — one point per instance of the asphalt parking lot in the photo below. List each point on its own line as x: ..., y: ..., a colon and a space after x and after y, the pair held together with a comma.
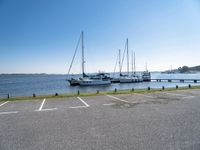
x: 159, y: 120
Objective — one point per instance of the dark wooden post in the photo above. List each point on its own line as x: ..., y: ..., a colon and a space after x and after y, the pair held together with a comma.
x: 34, y: 95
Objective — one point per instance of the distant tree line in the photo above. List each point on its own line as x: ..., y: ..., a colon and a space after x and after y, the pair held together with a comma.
x: 186, y: 69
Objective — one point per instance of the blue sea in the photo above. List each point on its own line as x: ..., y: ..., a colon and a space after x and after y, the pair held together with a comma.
x: 27, y: 84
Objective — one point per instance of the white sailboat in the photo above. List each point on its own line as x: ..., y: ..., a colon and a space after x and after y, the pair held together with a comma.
x: 136, y: 78
x: 146, y: 75
x: 126, y: 78
x: 90, y: 80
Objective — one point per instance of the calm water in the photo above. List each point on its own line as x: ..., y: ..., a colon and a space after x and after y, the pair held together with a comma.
x: 17, y: 85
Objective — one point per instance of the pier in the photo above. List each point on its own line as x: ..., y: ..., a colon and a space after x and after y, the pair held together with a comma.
x: 176, y: 80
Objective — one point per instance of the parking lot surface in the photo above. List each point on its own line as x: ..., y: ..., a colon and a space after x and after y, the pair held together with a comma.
x: 167, y: 120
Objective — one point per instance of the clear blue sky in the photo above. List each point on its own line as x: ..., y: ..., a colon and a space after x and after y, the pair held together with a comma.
x: 40, y: 36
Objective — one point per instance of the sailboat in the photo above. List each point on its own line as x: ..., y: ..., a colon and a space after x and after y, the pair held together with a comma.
x: 135, y: 77
x: 86, y: 80
x: 146, y: 75
x: 125, y: 78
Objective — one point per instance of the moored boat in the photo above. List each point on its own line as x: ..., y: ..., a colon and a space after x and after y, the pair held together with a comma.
x: 99, y: 79
x: 73, y: 82
x: 89, y: 81
x: 146, y: 76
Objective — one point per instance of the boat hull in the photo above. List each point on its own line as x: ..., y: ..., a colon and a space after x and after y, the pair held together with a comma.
x: 94, y: 82
x: 74, y: 82
x: 129, y: 80
x: 146, y: 76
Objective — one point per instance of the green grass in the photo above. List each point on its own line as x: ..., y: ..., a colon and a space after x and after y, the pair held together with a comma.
x: 123, y: 91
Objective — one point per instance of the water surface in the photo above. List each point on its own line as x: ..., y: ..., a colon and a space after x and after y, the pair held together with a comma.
x: 20, y: 84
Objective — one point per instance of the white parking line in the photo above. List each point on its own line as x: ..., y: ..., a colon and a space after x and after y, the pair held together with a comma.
x: 5, y: 113
x: 109, y: 104
x: 48, y: 109
x: 79, y: 107
x: 83, y: 101
x: 85, y: 104
x: 4, y: 103
x: 188, y: 97
x: 117, y: 98
x: 41, y: 106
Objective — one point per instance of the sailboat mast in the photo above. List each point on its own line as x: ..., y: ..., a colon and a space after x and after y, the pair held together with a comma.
x: 119, y: 61
x: 127, y: 57
x: 146, y: 66
x: 83, y: 61
x: 134, y: 64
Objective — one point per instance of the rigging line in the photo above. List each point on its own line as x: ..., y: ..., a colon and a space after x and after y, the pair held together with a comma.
x: 116, y: 63
x: 123, y: 57
x: 74, y: 55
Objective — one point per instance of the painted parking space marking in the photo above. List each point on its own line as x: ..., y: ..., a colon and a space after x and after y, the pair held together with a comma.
x: 42, y: 104
x: 109, y: 104
x: 84, y: 106
x: 83, y: 101
x: 188, y: 97
x: 47, y: 109
x: 11, y: 112
x: 4, y: 103
x: 5, y: 113
x: 116, y: 98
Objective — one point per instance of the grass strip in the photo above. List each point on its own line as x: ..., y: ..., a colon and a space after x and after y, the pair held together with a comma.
x: 112, y: 92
